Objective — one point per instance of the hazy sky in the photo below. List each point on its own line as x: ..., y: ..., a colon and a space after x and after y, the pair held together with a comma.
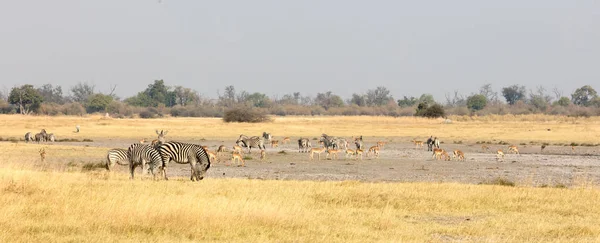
x: 279, y: 47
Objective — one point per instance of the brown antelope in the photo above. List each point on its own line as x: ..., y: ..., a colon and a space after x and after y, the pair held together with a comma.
x: 418, y: 144
x: 499, y: 155
x: 285, y: 140
x: 374, y: 150
x: 572, y: 149
x: 458, y: 154
x: 437, y: 154
x: 350, y: 152
x: 359, y: 152
x: 485, y: 148
x: 237, y: 156
x: 212, y: 156
x: 318, y: 151
x: 237, y: 149
x: 43, y: 154
x: 513, y: 148
x: 204, y: 147
x: 263, y: 154
x: 274, y: 143
x: 333, y: 153
x: 445, y: 155
x: 381, y: 144
x: 143, y: 141
x: 155, y: 143
x: 221, y: 149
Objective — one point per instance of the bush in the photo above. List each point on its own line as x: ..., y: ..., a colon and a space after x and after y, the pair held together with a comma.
x: 433, y: 111
x: 150, y: 112
x: 245, y: 114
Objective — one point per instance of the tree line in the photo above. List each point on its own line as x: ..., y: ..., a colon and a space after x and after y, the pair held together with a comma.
x: 159, y: 99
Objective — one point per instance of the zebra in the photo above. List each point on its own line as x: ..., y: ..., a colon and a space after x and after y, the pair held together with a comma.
x: 359, y: 142
x: 252, y: 142
x: 39, y: 137
x: 436, y: 142
x: 267, y: 136
x: 146, y: 156
x: 51, y: 137
x: 303, y: 145
x: 329, y: 142
x: 342, y: 143
x: 184, y: 153
x: 161, y: 138
x: 117, y: 156
x: 29, y: 137
x: 430, y: 143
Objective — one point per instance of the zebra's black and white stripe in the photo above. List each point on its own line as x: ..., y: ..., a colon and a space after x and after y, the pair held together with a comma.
x: 252, y: 142
x: 117, y: 156
x: 359, y: 143
x: 184, y: 153
x: 267, y: 136
x: 146, y: 156
x: 28, y: 137
x: 303, y: 145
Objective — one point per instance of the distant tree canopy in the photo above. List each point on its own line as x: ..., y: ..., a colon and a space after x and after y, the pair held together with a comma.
x: 584, y: 95
x: 98, y: 103
x: 408, y: 102
x: 51, y: 93
x: 476, y: 102
x: 27, y: 98
x: 514, y: 93
x: 81, y: 91
x: 433, y: 111
x: 157, y: 93
x: 328, y: 100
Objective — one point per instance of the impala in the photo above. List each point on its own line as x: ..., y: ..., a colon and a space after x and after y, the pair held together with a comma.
x: 359, y: 152
x: 459, y: 154
x: 499, y: 155
x: 285, y: 140
x: 274, y: 143
x: 418, y: 144
x: 513, y: 148
x: 333, y: 153
x: 437, y: 154
x: 317, y: 151
x: 374, y: 150
x: 350, y: 152
x: 238, y: 157
x: 263, y: 154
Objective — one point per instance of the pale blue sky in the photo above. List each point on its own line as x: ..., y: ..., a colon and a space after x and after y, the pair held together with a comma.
x: 279, y: 47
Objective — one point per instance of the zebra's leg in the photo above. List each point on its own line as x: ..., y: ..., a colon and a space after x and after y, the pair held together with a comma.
x: 131, y: 170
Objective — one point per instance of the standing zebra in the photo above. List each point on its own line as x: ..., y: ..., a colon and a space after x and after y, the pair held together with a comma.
x: 28, y: 137
x: 161, y: 138
x: 117, y: 156
x: 267, y: 136
x: 146, y: 156
x: 436, y: 142
x: 359, y: 142
x: 184, y: 153
x: 329, y: 142
x: 39, y: 137
x: 430, y: 143
x: 51, y: 137
x: 303, y: 145
x: 252, y: 142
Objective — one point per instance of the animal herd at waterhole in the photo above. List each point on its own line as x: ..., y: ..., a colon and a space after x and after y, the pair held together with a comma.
x: 154, y: 157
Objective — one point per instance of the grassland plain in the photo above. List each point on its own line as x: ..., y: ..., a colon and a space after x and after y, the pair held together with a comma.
x: 60, y: 200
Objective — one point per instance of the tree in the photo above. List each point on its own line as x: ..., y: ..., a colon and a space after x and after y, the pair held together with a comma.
x: 328, y: 99
x: 457, y: 100
x: 514, y: 93
x: 427, y: 98
x: 359, y: 100
x: 487, y: 91
x: 436, y: 110
x: 407, y: 102
x: 98, y: 102
x: 540, y: 99
x: 476, y: 102
x: 583, y: 95
x: 563, y: 101
x: 228, y: 98
x: 81, y: 91
x: 26, y: 98
x: 185, y: 96
x: 155, y: 94
x: 378, y: 97
x: 51, y: 94
x: 258, y: 100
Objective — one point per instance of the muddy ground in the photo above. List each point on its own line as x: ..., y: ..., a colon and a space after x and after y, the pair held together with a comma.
x: 400, y: 161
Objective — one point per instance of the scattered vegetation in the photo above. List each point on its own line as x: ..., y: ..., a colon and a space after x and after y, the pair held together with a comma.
x: 244, y: 114
x: 90, y: 166
x: 498, y: 181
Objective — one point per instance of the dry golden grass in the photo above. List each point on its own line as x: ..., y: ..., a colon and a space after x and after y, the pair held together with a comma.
x: 507, y: 128
x: 49, y: 207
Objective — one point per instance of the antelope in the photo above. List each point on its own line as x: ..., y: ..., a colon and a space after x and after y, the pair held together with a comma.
x: 221, y: 149
x: 350, y: 152
x: 285, y: 140
x: 318, y: 151
x: 237, y: 156
x: 43, y: 154
x: 458, y: 154
x: 381, y: 144
x: 143, y: 141
x: 437, y: 153
x: 445, y: 155
x: 374, y: 150
x: 572, y: 149
x: 333, y: 153
x: 263, y: 154
x: 237, y: 149
x: 485, y: 148
x: 205, y: 148
x: 418, y: 143
x: 155, y: 143
x: 513, y: 148
x: 212, y: 156
x: 499, y: 154
x: 274, y: 143
x: 359, y: 152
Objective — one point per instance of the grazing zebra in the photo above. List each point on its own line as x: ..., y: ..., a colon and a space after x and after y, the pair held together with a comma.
x: 303, y: 145
x: 342, y: 143
x: 39, y: 137
x: 146, y: 156
x: 28, y: 137
x: 184, y: 153
x: 329, y: 142
x: 252, y: 142
x: 267, y: 136
x: 51, y: 137
x: 359, y: 142
x: 117, y: 156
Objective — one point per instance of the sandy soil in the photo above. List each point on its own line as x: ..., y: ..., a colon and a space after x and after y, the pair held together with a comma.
x: 400, y: 161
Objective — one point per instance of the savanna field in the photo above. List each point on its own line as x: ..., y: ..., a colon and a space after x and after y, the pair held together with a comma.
x: 70, y: 197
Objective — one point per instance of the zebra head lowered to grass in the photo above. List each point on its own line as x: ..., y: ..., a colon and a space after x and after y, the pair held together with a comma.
x: 184, y: 153
x: 252, y: 142
x: 146, y: 156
